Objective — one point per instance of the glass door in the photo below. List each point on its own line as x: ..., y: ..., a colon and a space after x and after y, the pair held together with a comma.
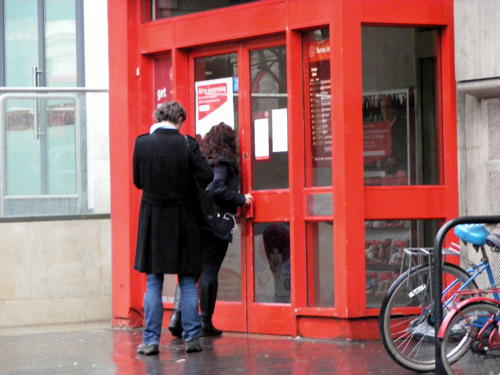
x: 269, y: 297
x: 216, y: 100
x: 245, y: 86
x: 39, y: 131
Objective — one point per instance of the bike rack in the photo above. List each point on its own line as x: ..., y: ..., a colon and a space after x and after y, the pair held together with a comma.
x: 436, y: 280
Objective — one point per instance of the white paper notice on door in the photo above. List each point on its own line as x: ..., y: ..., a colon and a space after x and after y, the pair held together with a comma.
x: 280, y: 131
x: 261, y: 138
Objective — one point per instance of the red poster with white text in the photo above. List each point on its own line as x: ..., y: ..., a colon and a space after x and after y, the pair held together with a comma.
x: 214, y: 104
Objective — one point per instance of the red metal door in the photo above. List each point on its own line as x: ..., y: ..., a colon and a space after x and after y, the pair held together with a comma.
x: 244, y: 85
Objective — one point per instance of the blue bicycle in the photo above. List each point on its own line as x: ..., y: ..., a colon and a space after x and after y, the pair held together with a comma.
x: 406, y: 323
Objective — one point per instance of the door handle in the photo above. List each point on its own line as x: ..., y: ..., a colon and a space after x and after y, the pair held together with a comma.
x: 249, y: 211
x: 36, y: 73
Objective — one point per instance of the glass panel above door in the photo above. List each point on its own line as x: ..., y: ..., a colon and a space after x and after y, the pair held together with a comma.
x: 172, y: 8
x: 269, y: 118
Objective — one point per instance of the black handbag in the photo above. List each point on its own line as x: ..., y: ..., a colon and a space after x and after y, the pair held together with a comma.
x: 223, y: 226
x: 220, y: 224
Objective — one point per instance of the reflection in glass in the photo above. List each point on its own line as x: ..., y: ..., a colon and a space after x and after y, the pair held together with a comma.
x: 320, y: 204
x: 21, y: 41
x: 400, y: 129
x: 230, y: 271
x: 317, y: 107
x: 269, y: 118
x: 320, y: 288
x: 61, y: 147
x: 217, y: 68
x: 49, y: 169
x: 271, y: 243
x: 22, y: 149
x: 172, y: 8
x: 385, y: 241
x: 60, y: 43
x: 40, y: 150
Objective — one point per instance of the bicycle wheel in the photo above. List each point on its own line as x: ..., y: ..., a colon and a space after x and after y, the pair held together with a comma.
x: 406, y: 323
x: 465, y: 341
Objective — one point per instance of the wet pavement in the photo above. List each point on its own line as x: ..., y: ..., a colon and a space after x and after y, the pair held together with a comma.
x: 98, y: 350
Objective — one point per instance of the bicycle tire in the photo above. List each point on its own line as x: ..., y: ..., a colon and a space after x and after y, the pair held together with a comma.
x: 461, y: 335
x: 412, y: 345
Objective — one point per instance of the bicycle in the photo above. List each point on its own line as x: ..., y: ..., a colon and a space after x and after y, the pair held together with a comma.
x: 406, y: 323
x: 471, y: 331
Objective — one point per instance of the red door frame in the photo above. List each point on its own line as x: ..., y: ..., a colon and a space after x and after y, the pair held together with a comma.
x: 133, y: 42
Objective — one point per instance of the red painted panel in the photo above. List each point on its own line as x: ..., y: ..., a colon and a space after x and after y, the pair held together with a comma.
x: 333, y: 328
x: 430, y: 12
x: 271, y: 206
x: 203, y: 28
x: 273, y: 319
x: 406, y: 202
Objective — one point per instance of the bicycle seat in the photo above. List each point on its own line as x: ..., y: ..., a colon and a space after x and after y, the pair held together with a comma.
x: 476, y: 234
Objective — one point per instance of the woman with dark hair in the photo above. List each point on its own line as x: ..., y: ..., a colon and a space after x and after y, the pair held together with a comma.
x: 219, y: 147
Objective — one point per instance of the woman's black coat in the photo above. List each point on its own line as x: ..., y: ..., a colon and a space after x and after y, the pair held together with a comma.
x: 165, y: 166
x: 224, y: 186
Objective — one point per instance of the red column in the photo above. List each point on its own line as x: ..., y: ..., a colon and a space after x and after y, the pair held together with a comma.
x: 127, y: 285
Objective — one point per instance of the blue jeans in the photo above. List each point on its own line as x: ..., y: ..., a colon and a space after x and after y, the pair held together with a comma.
x: 153, y: 308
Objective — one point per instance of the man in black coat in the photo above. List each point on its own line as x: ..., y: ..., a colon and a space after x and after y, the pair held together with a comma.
x: 166, y: 165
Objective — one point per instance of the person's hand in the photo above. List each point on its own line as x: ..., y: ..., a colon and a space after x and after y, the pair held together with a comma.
x: 248, y: 199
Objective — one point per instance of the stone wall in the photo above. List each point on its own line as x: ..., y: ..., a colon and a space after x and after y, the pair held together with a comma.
x: 55, y: 272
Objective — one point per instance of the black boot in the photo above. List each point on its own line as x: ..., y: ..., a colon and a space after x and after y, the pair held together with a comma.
x: 208, y: 297
x: 175, y: 324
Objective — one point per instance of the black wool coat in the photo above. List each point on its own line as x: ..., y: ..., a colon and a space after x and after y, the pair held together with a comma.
x: 165, y: 166
x: 225, y: 184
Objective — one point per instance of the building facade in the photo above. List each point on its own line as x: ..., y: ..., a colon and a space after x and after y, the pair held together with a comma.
x: 308, y: 86
x: 54, y: 157
x: 345, y: 115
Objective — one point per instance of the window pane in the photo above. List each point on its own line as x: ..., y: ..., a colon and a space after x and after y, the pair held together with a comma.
x: 317, y: 95
x: 216, y: 86
x: 401, y: 145
x: 319, y: 204
x: 22, y: 149
x: 269, y: 118
x: 385, y: 241
x: 60, y: 43
x: 230, y: 271
x: 320, y: 288
x: 271, y: 248
x: 172, y: 8
x: 216, y: 92
x: 21, y: 42
x: 61, y: 147
x: 50, y: 168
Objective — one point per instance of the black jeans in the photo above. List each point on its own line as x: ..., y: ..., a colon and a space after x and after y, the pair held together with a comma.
x: 214, y: 252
